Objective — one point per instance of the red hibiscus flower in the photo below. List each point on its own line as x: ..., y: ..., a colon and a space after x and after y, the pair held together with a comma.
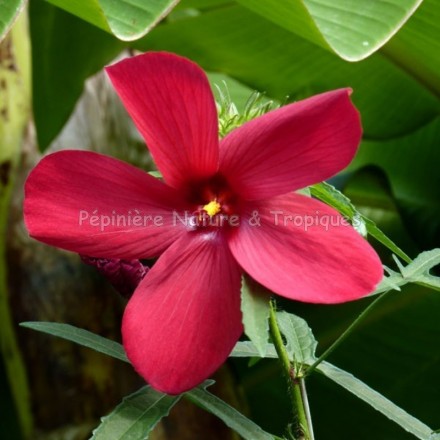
x: 224, y: 208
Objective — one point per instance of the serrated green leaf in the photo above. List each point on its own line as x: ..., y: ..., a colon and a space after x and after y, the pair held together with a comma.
x: 236, y: 103
x: 246, y: 428
x: 415, y: 272
x: 353, y: 29
x: 128, y: 20
x: 255, y: 309
x: 405, y: 325
x: 376, y: 400
x: 355, y: 386
x: 300, y: 342
x: 229, y: 415
x: 79, y: 336
x: 9, y: 11
x: 430, y: 281
x: 393, y: 281
x: 216, y: 406
x: 136, y: 416
x: 422, y: 264
x: 238, y: 93
x: 330, y: 195
x: 248, y: 349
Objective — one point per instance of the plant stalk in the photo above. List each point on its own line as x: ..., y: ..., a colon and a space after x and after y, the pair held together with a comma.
x: 345, y: 334
x: 296, y: 386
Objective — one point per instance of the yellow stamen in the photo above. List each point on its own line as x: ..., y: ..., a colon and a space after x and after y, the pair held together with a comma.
x: 212, y: 208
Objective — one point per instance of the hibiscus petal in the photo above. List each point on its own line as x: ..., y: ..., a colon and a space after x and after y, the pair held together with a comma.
x: 171, y: 103
x: 292, y: 147
x: 304, y: 250
x: 99, y: 206
x: 184, y: 319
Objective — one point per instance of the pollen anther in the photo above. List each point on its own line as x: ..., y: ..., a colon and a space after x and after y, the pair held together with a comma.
x: 212, y: 208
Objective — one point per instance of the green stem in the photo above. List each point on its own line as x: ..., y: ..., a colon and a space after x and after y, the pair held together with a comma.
x: 296, y: 387
x: 302, y: 384
x: 346, y: 334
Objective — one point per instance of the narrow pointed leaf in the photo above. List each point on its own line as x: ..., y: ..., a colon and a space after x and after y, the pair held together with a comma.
x: 128, y: 20
x: 229, y: 415
x: 353, y: 29
x: 136, y: 416
x: 355, y: 386
x: 330, y: 195
x: 255, y: 309
x: 79, y: 336
x: 376, y: 400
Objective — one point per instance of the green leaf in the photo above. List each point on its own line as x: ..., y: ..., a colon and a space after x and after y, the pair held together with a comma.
x: 353, y: 29
x: 61, y: 64
x: 422, y: 264
x: 394, y: 351
x: 376, y: 400
x: 301, y: 344
x: 417, y: 197
x: 417, y: 45
x: 248, y: 349
x: 255, y: 309
x: 236, y: 103
x: 238, y: 93
x: 128, y: 20
x: 80, y: 336
x: 330, y: 195
x: 245, y: 427
x: 355, y: 386
x: 394, y: 281
x: 233, y: 40
x: 136, y: 416
x: 229, y: 415
x: 9, y: 11
x: 422, y: 186
x: 415, y: 272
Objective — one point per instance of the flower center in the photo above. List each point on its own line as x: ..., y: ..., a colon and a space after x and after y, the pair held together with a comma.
x: 215, y: 204
x: 212, y: 208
